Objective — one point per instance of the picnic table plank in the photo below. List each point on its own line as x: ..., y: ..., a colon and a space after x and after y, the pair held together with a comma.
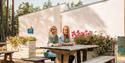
x: 71, y: 48
x: 35, y: 59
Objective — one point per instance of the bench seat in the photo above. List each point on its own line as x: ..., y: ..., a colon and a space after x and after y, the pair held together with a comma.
x: 101, y: 59
x: 35, y: 59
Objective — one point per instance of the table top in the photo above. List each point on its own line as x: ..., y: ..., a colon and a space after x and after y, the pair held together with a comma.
x: 3, y: 52
x: 70, y: 48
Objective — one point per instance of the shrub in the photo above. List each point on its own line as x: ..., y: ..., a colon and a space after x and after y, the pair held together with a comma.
x: 105, y: 42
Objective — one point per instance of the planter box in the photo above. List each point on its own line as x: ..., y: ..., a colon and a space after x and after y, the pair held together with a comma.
x: 24, y: 51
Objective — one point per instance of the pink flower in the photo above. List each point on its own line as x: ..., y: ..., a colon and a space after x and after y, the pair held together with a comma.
x: 86, y: 31
x: 90, y: 33
x: 77, y: 31
x: 81, y: 33
x: 73, y: 34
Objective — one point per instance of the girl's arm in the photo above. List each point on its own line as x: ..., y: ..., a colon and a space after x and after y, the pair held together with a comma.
x: 49, y: 41
x: 68, y: 44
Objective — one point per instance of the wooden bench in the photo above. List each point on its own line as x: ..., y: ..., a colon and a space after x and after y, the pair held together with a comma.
x: 36, y: 59
x: 7, y: 54
x: 101, y: 59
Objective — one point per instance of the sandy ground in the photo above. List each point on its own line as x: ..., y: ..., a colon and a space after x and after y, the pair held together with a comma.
x: 120, y: 59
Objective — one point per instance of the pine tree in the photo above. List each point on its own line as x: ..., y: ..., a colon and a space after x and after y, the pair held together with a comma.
x: 68, y: 5
x: 44, y: 5
x: 72, y: 5
x: 79, y: 3
x: 49, y: 4
x: 2, y: 20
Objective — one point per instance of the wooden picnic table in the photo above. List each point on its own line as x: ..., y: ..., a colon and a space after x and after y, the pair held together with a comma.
x: 7, y: 54
x: 63, y: 52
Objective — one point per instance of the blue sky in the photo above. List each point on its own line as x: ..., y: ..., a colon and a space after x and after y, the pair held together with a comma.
x: 40, y: 2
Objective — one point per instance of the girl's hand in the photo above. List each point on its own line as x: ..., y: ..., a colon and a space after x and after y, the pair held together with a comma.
x: 50, y: 44
x: 73, y: 43
x: 57, y: 45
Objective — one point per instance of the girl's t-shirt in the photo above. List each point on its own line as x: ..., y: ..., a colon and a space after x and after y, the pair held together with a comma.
x: 61, y: 39
x: 53, y: 39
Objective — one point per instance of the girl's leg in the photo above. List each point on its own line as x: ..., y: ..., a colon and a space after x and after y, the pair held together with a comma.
x: 53, y: 58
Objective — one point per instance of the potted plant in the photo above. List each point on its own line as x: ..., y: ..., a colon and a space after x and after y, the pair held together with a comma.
x: 17, y: 41
x: 24, y: 45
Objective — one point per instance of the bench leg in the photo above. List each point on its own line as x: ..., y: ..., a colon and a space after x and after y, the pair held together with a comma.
x: 5, y: 57
x: 10, y: 57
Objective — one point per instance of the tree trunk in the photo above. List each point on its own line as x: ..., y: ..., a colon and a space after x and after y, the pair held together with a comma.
x: 13, y: 23
x: 7, y: 14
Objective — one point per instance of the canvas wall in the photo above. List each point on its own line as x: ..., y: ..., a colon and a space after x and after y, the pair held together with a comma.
x: 106, y: 17
x: 41, y: 22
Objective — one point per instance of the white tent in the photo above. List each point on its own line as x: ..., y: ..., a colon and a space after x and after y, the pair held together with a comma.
x: 40, y: 22
x: 106, y: 17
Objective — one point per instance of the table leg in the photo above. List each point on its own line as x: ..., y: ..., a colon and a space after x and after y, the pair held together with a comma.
x: 58, y: 58
x: 66, y: 58
x: 78, y: 57
x: 84, y: 55
x: 62, y: 56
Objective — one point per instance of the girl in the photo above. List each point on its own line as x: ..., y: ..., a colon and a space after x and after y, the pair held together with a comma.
x: 65, y: 40
x: 52, y: 41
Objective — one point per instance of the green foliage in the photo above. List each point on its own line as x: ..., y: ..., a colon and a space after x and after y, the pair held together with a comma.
x: 3, y: 21
x: 47, y: 4
x: 72, y: 5
x: 19, y: 40
x: 106, y: 43
x: 26, y: 8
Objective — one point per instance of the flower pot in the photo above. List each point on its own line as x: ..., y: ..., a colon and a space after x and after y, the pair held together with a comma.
x: 26, y: 50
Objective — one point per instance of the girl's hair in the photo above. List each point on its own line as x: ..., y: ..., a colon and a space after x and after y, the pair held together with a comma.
x: 52, y: 28
x: 68, y: 33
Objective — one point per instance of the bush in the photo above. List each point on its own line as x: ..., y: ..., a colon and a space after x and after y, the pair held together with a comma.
x: 106, y: 43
